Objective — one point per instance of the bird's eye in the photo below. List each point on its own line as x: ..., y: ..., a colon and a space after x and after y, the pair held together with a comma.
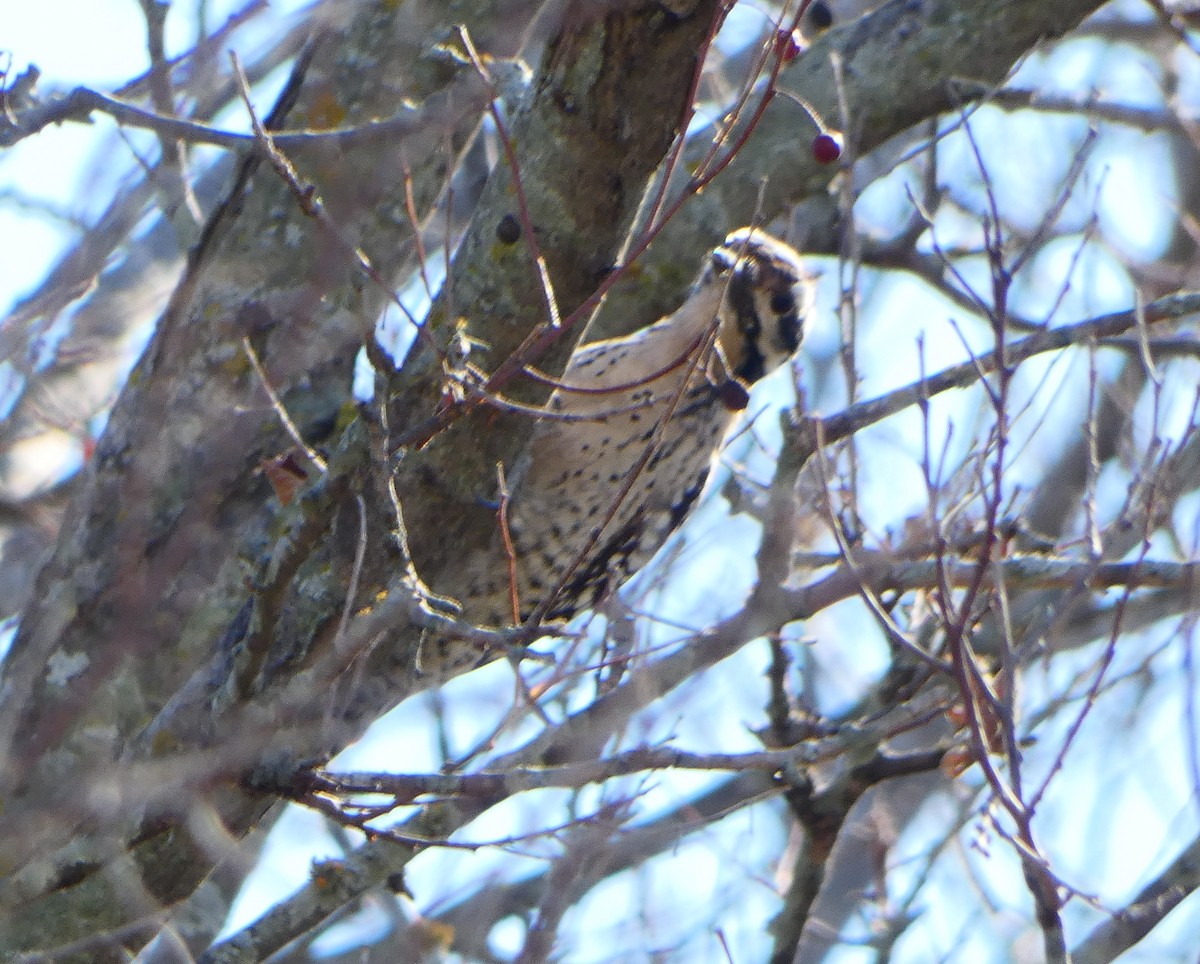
x: 783, y: 302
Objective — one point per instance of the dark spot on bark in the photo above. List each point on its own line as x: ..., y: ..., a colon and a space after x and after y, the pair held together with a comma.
x: 820, y: 17
x: 508, y: 231
x: 253, y: 318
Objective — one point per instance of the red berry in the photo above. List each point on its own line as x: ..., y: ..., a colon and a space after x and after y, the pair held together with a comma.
x: 788, y: 45
x: 827, y: 147
x: 733, y: 396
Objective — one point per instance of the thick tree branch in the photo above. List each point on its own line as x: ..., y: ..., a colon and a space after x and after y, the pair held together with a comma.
x: 1140, y: 916
x: 899, y: 65
x: 149, y: 554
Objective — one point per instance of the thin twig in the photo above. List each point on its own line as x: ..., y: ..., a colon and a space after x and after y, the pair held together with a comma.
x: 281, y: 411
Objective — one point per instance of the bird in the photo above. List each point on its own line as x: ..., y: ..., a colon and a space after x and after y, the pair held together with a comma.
x: 626, y: 442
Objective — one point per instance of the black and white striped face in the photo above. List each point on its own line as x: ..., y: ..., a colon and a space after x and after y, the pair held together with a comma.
x: 767, y: 296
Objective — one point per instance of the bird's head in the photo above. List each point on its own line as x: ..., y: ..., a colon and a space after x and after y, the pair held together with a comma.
x: 767, y: 295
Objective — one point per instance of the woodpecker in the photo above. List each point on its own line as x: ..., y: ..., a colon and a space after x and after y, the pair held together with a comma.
x: 626, y: 442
